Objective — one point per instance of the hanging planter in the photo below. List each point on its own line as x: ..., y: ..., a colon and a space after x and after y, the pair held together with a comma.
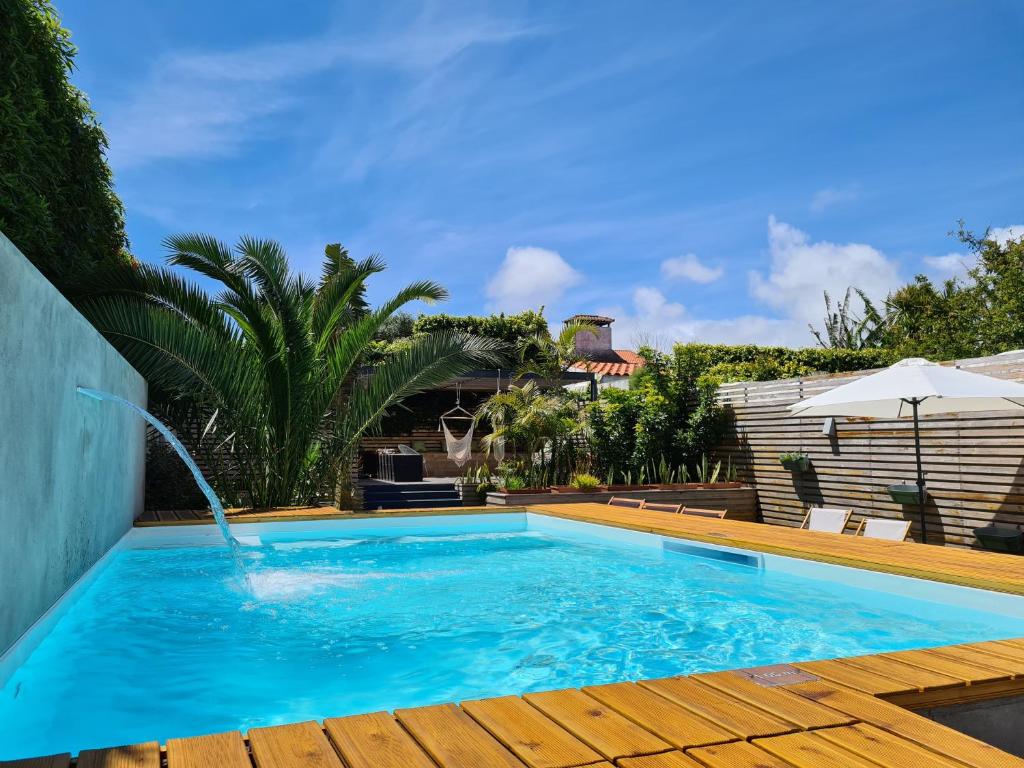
x: 905, y: 493
x: 795, y: 462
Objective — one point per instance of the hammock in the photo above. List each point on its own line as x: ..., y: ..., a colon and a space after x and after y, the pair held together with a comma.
x: 460, y: 449
x: 498, y: 449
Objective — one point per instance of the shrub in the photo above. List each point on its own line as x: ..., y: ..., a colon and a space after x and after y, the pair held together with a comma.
x: 584, y: 481
x: 513, y: 483
x: 57, y: 202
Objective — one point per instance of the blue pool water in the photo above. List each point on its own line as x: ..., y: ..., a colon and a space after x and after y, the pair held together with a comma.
x: 164, y: 643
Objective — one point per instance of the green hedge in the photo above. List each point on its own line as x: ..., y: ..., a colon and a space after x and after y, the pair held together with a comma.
x: 57, y: 203
x: 718, y: 363
x: 510, y: 328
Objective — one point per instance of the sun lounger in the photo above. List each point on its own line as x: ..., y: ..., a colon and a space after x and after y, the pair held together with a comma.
x: 881, y: 528
x: 716, y: 514
x: 826, y: 519
x: 663, y: 507
x: 619, y: 501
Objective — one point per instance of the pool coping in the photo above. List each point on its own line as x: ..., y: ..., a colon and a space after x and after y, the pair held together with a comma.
x: 831, y: 708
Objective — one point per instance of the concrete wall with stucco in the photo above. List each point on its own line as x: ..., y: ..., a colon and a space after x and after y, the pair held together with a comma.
x: 71, y: 468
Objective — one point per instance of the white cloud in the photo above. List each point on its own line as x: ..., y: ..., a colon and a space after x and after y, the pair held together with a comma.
x: 830, y: 196
x: 653, y: 319
x: 208, y: 104
x: 802, y: 270
x: 689, y: 267
x: 1004, y: 234
x: 528, y: 278
x: 951, y: 264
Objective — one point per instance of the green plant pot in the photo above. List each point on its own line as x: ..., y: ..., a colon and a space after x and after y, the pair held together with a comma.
x: 1000, y: 539
x: 905, y: 494
x: 796, y: 465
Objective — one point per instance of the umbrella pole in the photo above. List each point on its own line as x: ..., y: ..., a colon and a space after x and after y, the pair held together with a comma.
x: 920, y: 473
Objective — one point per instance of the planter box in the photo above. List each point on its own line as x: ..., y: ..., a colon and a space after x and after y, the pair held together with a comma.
x: 905, y: 494
x: 615, y: 488
x: 796, y: 465
x: 469, y: 495
x: 573, y: 489
x: 525, y: 491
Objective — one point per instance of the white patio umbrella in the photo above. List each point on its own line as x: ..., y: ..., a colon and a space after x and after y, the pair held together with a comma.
x: 915, y: 387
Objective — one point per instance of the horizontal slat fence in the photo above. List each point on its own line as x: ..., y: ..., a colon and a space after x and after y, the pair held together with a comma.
x: 974, y: 464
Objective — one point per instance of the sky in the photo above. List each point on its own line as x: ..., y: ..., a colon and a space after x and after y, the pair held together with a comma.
x: 698, y: 171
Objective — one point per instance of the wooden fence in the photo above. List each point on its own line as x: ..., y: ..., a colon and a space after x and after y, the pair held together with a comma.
x: 974, y: 464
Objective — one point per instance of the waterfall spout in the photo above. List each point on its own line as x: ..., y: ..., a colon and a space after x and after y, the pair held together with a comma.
x: 163, y: 429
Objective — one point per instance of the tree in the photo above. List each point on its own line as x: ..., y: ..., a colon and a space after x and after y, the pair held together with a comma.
x: 544, y: 425
x: 57, y: 202
x: 844, y: 329
x: 274, y: 355
x: 980, y: 314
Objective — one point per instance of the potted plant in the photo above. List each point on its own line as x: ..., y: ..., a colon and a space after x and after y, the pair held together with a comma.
x: 905, y: 493
x: 796, y: 461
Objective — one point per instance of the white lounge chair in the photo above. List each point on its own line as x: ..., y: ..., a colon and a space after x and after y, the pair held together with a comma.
x: 826, y: 519
x: 880, y: 528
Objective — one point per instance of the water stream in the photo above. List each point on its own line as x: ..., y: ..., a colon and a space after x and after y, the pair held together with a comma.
x: 176, y: 444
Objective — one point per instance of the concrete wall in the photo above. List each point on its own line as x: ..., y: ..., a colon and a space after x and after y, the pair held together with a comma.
x: 71, y: 468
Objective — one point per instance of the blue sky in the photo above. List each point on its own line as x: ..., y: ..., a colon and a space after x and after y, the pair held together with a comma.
x: 701, y: 171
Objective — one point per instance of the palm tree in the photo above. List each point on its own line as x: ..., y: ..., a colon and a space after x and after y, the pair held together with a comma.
x: 274, y: 355
x: 550, y: 357
x: 543, y: 424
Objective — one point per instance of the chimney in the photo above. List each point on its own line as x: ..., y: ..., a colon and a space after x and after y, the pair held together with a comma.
x: 593, y: 345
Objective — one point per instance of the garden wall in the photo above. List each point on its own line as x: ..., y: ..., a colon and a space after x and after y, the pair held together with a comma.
x: 974, y: 465
x: 71, y: 468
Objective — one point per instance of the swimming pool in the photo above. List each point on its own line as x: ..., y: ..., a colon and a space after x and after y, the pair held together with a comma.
x: 362, y: 615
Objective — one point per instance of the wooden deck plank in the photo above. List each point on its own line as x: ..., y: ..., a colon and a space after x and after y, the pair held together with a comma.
x: 300, y: 745
x: 532, y: 736
x: 884, y: 748
x: 922, y: 679
x: 778, y: 702
x: 51, y: 761
x: 730, y: 713
x: 896, y: 720
x: 454, y: 739
x: 597, y: 725
x: 1013, y: 667
x: 853, y: 677
x: 1000, y: 649
x: 738, y: 754
x: 224, y: 750
x: 808, y: 750
x: 663, y: 760
x: 680, y: 727
x: 374, y: 740
x: 145, y: 755
x: 953, y: 667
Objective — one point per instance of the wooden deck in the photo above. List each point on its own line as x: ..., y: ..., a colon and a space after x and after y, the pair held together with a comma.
x: 823, y: 714
x: 834, y: 713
